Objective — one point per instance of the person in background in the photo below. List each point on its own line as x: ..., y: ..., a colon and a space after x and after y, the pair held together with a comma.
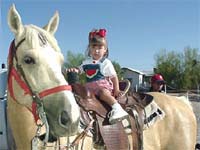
x: 157, y: 83
x: 101, y: 76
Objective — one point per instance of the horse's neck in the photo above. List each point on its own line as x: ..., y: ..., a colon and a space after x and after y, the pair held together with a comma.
x: 22, y: 123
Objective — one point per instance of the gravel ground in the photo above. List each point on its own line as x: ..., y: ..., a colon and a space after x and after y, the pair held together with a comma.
x: 196, y: 108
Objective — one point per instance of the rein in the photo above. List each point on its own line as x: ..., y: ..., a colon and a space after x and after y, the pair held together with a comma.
x: 19, y: 76
x: 68, y: 146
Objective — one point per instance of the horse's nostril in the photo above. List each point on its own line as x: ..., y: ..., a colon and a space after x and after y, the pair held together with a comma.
x: 64, y: 118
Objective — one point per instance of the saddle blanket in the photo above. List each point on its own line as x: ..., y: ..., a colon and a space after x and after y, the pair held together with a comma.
x: 152, y: 114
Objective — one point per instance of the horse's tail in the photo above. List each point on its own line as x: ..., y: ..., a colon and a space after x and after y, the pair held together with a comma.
x: 186, y: 100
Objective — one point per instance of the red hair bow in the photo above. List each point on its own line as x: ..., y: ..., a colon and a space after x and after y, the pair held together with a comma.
x: 100, y: 32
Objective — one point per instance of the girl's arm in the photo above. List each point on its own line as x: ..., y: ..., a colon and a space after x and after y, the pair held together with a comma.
x: 115, y: 82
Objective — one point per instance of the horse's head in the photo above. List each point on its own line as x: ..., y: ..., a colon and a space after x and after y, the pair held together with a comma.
x: 35, y: 75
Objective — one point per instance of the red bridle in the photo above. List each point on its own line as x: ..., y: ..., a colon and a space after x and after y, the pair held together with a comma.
x: 14, y: 75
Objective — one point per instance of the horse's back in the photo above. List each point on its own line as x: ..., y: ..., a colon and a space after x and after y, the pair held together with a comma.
x: 177, y: 130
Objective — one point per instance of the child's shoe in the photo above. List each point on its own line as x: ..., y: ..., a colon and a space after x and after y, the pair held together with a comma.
x: 117, y: 114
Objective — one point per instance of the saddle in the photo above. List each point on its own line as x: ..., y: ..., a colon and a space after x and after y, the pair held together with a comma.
x: 113, y: 137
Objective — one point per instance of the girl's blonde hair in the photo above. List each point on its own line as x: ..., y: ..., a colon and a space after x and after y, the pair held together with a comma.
x: 97, y: 37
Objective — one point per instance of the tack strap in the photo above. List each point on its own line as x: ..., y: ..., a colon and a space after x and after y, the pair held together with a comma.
x: 55, y: 90
x: 18, y: 74
x: 15, y: 75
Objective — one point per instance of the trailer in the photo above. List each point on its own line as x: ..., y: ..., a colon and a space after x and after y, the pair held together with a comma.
x: 3, y: 104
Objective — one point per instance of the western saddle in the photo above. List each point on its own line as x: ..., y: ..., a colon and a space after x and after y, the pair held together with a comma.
x: 94, y: 117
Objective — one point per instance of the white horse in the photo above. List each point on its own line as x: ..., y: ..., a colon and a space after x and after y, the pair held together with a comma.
x: 36, y: 86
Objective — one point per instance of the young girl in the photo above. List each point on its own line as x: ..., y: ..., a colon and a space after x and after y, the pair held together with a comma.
x: 100, y: 74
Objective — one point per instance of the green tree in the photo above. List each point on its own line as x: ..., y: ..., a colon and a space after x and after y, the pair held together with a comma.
x: 180, y: 70
x: 191, y: 72
x: 118, y: 69
x: 169, y: 65
x: 74, y: 60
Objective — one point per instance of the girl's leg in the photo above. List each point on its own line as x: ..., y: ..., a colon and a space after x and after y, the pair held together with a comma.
x: 106, y: 96
x: 117, y: 113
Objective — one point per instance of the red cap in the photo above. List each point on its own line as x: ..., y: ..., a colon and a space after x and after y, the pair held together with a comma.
x: 157, y: 78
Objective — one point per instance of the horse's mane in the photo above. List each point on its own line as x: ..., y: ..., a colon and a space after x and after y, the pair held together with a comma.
x: 31, y: 35
x: 185, y: 99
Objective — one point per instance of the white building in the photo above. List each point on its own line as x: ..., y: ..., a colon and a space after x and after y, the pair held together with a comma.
x: 139, y: 79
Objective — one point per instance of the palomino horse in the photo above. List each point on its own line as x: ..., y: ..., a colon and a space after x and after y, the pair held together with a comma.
x: 36, y: 85
x: 176, y: 131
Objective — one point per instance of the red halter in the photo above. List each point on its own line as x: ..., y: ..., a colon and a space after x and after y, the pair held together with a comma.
x: 14, y: 75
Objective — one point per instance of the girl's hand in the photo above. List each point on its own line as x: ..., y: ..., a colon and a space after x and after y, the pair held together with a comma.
x: 118, y: 93
x: 76, y: 70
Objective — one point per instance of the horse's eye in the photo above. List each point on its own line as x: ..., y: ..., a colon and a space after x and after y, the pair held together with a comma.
x: 29, y: 60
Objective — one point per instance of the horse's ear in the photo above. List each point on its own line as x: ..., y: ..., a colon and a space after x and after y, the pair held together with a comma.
x: 146, y: 98
x: 53, y: 24
x: 143, y: 98
x: 14, y: 20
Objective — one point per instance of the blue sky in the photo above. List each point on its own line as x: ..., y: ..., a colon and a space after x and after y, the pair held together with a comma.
x: 136, y: 29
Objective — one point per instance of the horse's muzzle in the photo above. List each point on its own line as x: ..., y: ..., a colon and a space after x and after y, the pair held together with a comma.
x: 51, y: 138
x: 66, y: 122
